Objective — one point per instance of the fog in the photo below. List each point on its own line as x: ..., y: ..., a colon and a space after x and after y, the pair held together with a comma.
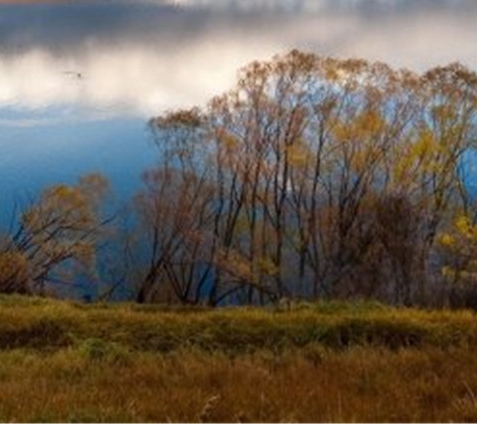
x: 101, y: 59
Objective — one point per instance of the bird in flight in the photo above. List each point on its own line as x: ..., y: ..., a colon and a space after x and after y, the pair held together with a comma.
x: 75, y: 74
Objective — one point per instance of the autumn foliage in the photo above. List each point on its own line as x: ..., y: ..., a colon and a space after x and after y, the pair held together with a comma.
x: 55, y: 238
x: 313, y: 178
x: 317, y: 177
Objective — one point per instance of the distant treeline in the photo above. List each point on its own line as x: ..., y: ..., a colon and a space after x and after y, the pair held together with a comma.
x: 313, y: 178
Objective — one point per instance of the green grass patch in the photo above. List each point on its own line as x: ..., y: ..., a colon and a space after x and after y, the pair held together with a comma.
x: 41, y: 324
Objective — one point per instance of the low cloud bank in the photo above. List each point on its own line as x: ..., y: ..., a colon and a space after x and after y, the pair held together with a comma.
x: 139, y: 58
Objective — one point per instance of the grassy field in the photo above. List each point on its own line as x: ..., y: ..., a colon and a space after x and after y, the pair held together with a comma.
x: 62, y: 361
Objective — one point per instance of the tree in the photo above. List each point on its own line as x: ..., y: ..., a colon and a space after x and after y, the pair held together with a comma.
x: 57, y: 237
x: 175, y: 212
x: 310, y: 170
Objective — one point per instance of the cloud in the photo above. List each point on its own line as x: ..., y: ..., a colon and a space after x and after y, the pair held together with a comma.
x: 139, y: 57
x: 128, y: 79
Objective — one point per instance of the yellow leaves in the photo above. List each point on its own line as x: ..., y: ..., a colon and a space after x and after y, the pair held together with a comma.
x: 359, y: 139
x: 460, y: 244
x: 342, y: 131
x: 70, y: 206
x: 402, y: 171
x: 420, y: 154
x: 447, y: 272
x: 66, y: 201
x: 462, y: 234
x: 369, y: 123
x: 298, y: 154
x: 61, y: 191
x: 465, y: 228
x: 229, y: 142
x: 424, y: 145
x: 361, y: 159
x: 447, y: 240
x: 63, y: 226
x: 360, y: 128
x: 462, y: 224
x: 417, y: 159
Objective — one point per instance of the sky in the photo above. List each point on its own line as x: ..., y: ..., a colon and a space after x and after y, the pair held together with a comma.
x: 79, y: 79
x: 139, y: 57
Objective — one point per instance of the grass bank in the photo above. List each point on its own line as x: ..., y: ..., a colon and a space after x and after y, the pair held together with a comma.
x: 63, y: 361
x: 42, y: 324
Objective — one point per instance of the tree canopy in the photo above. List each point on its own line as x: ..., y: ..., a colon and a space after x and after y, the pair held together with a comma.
x: 313, y: 177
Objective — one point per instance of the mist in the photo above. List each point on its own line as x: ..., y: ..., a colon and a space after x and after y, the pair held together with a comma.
x: 138, y: 58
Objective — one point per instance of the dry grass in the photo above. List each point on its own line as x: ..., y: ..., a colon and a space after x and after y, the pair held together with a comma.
x: 362, y: 384
x: 325, y: 362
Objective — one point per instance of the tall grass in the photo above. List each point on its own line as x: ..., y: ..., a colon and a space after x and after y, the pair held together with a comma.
x: 49, y: 325
x: 360, y: 384
x: 62, y: 361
